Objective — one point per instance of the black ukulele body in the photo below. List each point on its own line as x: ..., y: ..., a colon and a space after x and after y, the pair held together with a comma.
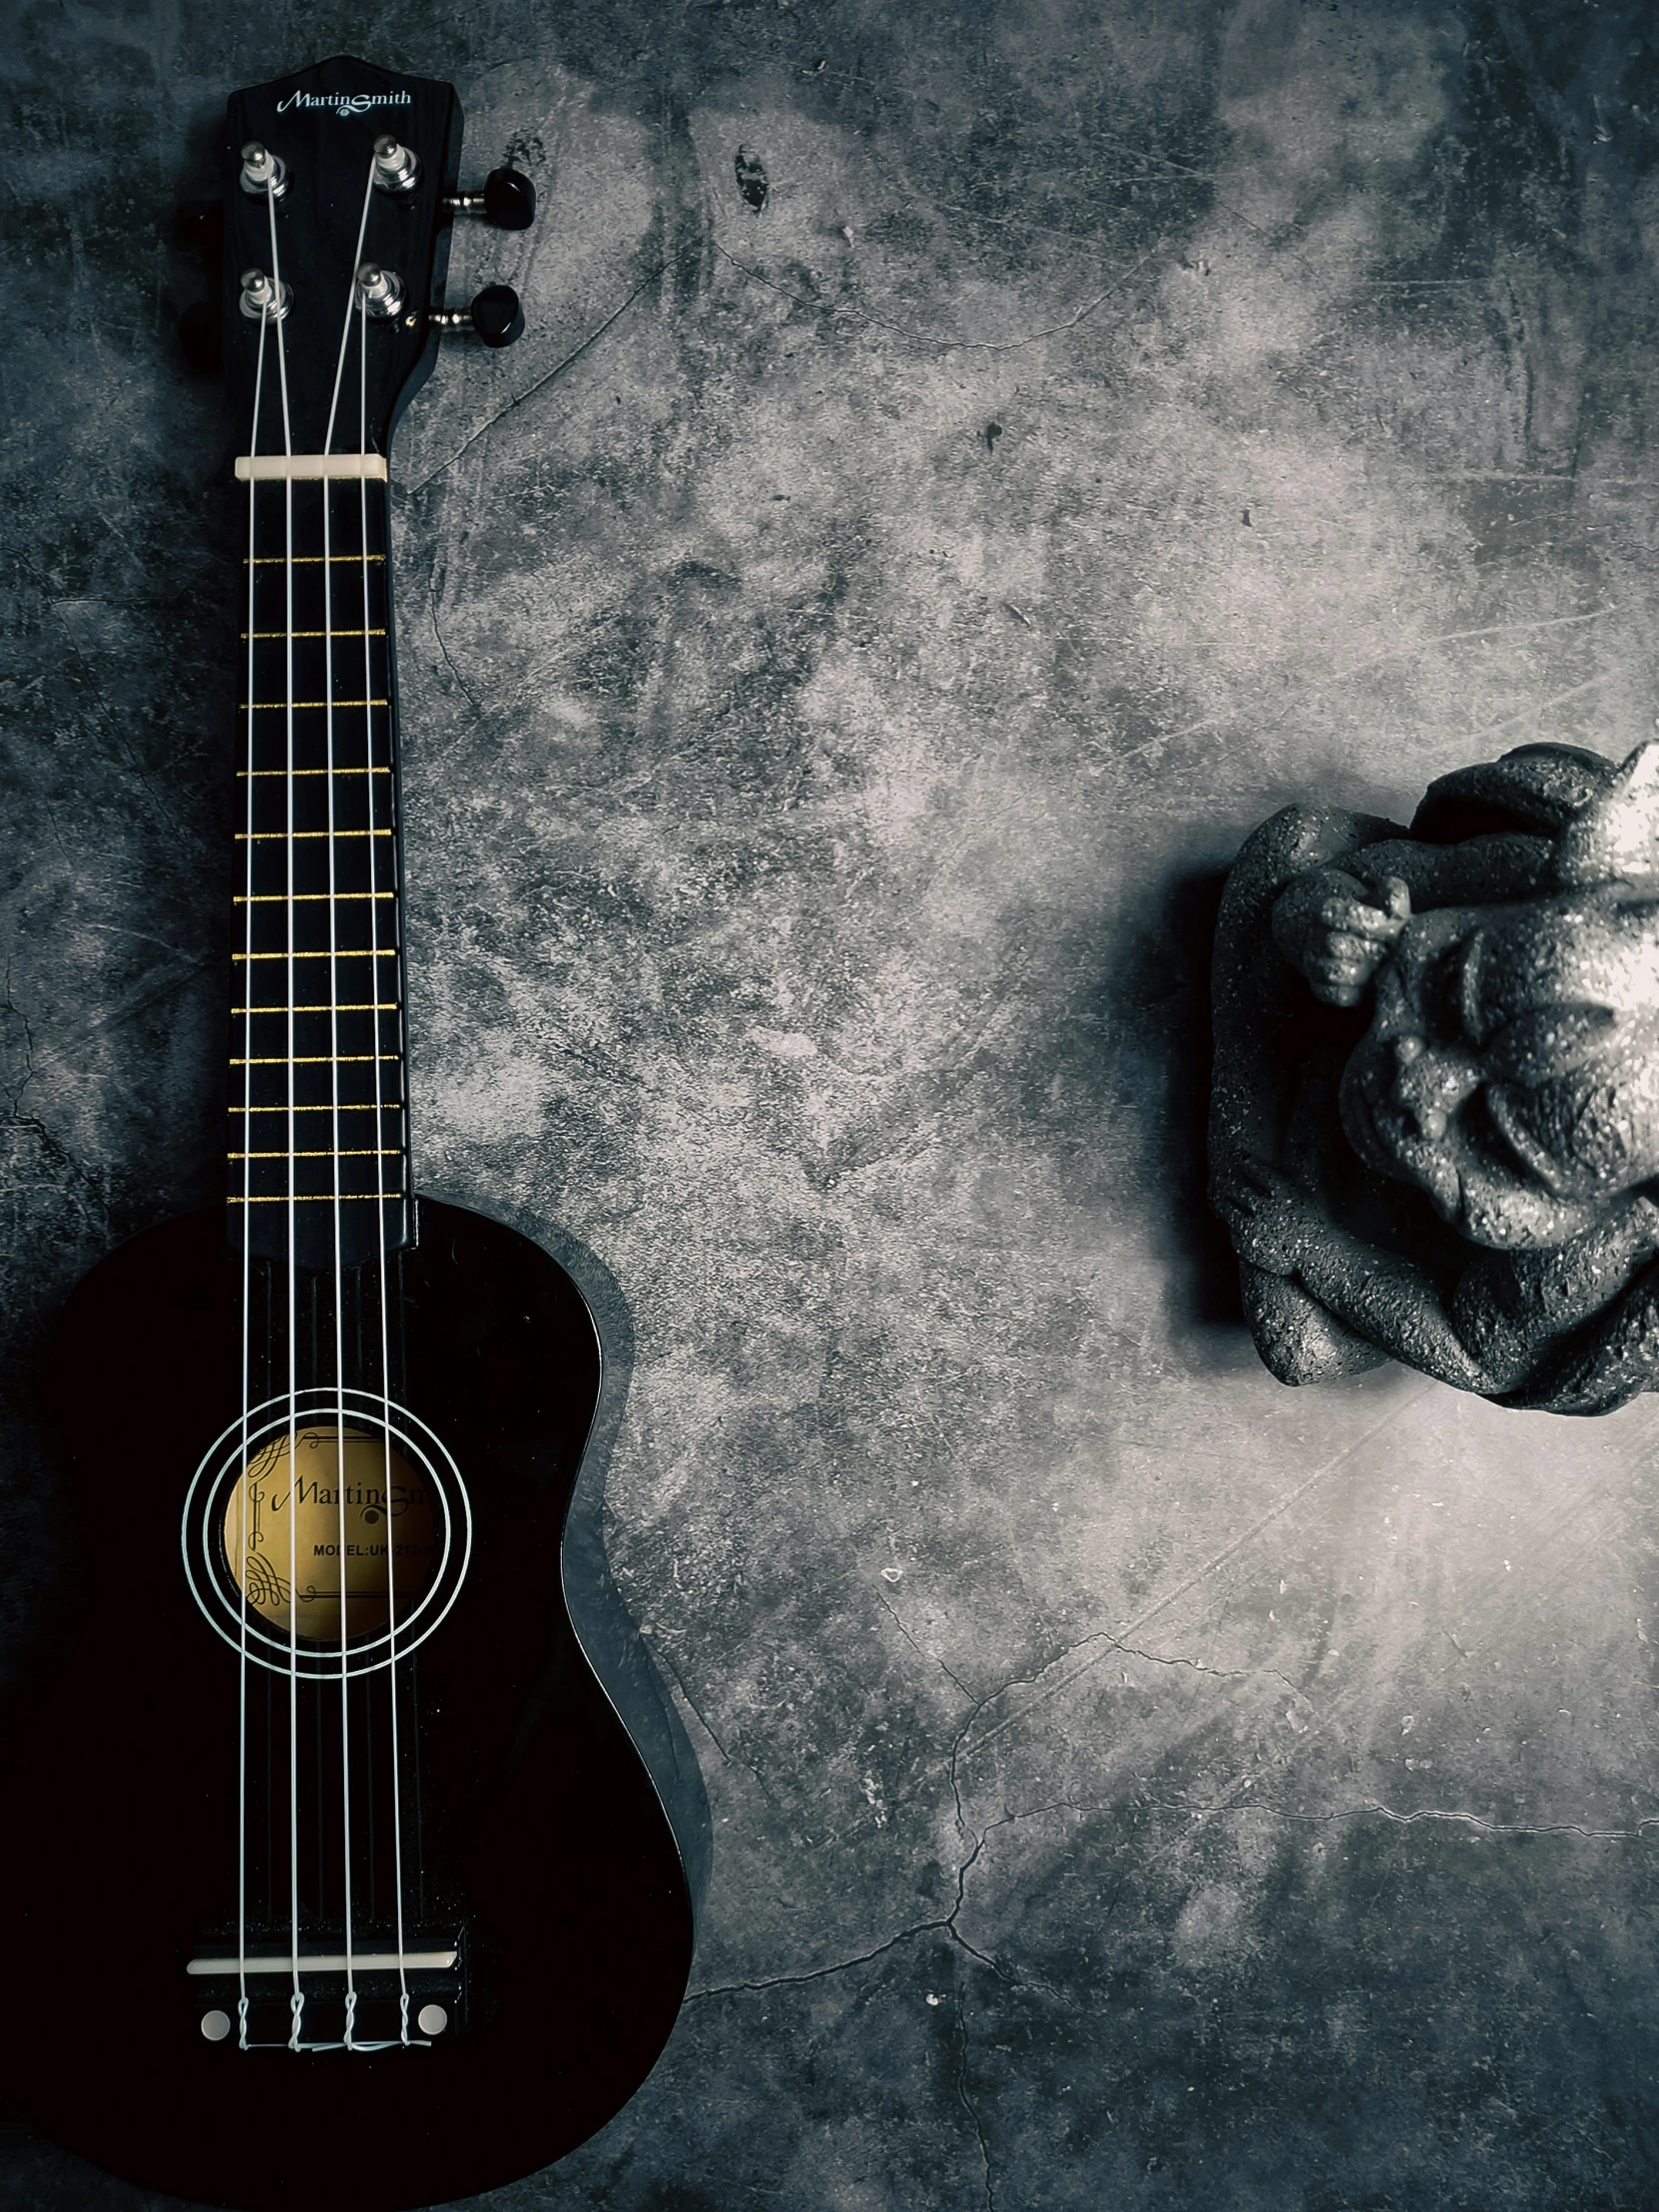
x: 177, y: 1805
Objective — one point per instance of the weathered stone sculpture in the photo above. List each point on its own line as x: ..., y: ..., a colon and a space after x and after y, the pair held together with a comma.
x: 1434, y: 1125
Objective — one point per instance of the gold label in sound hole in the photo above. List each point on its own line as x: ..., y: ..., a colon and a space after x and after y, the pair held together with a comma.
x: 342, y: 1510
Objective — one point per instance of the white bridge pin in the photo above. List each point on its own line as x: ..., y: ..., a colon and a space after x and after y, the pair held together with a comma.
x: 431, y: 2019
x: 216, y: 2026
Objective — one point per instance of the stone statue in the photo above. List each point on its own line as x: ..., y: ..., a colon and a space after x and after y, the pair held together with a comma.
x: 1435, y: 1126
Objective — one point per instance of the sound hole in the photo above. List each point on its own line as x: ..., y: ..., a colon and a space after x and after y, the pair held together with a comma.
x: 342, y: 1513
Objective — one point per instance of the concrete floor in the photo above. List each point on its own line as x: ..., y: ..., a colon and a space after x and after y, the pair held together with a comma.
x: 840, y: 646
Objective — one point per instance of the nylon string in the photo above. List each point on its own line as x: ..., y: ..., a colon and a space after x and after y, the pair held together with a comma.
x: 297, y: 1999
x: 247, y: 1247
x: 333, y: 1070
x: 334, y: 1123
x: 350, y: 302
x: 380, y: 1186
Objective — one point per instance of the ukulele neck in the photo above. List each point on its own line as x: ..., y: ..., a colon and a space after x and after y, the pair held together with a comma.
x: 318, y: 1141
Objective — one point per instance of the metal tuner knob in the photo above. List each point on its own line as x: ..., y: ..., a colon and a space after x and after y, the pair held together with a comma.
x: 380, y: 291
x: 396, y: 168
x: 262, y: 174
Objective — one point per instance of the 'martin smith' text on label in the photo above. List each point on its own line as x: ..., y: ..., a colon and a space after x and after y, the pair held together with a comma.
x: 345, y: 103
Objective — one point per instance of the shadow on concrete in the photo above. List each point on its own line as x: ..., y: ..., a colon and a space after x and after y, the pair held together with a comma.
x: 606, y: 1629
x: 1204, y: 1279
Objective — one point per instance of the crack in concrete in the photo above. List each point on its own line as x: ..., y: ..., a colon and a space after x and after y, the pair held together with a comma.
x: 15, y: 1093
x: 663, y: 1660
x: 937, y: 1926
x: 1222, y: 1674
x: 737, y: 1764
x: 541, y: 382
x: 967, y: 2103
x: 1021, y: 1977
x: 1450, y: 1813
x: 59, y: 1153
x: 157, y: 983
x: 1111, y: 1642
x: 1112, y: 1639
x: 449, y: 659
x: 955, y: 1750
x: 932, y: 1656
x: 818, y: 1973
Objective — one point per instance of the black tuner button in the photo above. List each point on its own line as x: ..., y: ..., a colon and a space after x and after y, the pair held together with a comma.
x: 495, y: 314
x: 498, y: 316
x: 508, y: 199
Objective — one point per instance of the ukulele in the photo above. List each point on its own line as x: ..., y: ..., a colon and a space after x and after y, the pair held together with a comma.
x: 332, y: 1871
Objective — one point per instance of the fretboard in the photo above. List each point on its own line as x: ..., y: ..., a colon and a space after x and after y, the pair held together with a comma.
x: 318, y: 1142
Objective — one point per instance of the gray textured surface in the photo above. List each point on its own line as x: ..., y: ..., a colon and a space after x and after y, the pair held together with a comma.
x: 840, y: 647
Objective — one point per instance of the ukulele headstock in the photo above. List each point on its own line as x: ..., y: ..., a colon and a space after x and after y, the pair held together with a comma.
x: 339, y: 187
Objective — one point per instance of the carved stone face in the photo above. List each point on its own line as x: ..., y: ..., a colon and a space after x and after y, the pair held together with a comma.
x: 1512, y: 1068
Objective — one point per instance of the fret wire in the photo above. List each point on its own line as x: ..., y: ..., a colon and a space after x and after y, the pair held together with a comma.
x: 347, y: 1152
x: 354, y: 1106
x: 319, y: 1198
x: 308, y: 619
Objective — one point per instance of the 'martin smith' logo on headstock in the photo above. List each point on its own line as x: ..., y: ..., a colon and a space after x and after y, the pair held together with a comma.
x: 345, y: 103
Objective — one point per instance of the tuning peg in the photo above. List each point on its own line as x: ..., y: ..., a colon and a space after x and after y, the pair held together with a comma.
x: 494, y: 313
x: 264, y: 175
x: 508, y: 199
x: 396, y: 168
